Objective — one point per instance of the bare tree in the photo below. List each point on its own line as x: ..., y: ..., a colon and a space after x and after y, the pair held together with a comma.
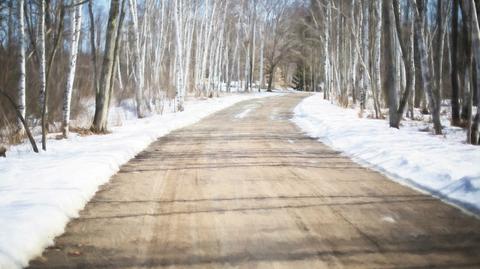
x: 43, y: 73
x: 475, y: 128
x: 102, y: 100
x: 75, y: 27
x: 21, y: 63
x: 390, y: 52
x: 424, y: 65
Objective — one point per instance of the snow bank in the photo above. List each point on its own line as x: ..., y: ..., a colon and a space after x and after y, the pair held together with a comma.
x: 39, y: 193
x: 440, y: 166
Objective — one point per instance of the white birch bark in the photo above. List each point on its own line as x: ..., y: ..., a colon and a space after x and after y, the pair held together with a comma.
x: 139, y: 79
x: 21, y: 62
x: 425, y: 68
x: 366, y: 56
x: 326, y: 55
x: 377, y: 57
x: 76, y: 23
x: 42, y: 72
x: 261, y: 71
x: 178, y: 13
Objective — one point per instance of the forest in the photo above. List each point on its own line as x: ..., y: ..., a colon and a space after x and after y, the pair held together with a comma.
x: 66, y: 63
x: 239, y: 134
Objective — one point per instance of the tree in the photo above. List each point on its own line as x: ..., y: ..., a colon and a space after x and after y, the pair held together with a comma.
x: 466, y: 114
x: 21, y: 63
x: 137, y: 60
x: 21, y: 119
x: 475, y: 128
x: 75, y: 26
x: 454, y: 63
x: 43, y: 74
x: 407, y: 49
x: 425, y: 67
x: 279, y: 42
x: 103, y: 95
x: 377, y: 56
x: 390, y: 53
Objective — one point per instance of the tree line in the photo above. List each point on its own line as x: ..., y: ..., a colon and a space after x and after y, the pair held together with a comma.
x: 398, y: 55
x: 61, y: 58
x: 58, y: 54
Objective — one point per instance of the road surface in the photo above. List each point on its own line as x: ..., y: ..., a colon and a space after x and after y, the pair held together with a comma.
x: 244, y: 188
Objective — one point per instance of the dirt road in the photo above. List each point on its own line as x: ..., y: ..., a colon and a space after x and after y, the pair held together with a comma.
x: 244, y: 188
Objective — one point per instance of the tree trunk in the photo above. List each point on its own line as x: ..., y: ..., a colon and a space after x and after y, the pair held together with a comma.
x: 93, y: 47
x: 466, y: 114
x: 102, y: 98
x: 76, y: 24
x: 43, y: 74
x: 326, y: 55
x: 454, y: 74
x: 271, y: 73
x: 21, y: 62
x: 475, y: 133
x: 22, y: 120
x: 440, y: 46
x: 262, y: 49
x: 378, y: 52
x: 407, y: 48
x: 366, y: 58
x: 390, y: 52
x: 137, y: 63
x: 425, y: 68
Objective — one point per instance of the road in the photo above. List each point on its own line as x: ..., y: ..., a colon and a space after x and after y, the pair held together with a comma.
x: 244, y: 188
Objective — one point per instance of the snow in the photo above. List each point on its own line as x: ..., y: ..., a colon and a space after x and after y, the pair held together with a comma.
x: 40, y: 193
x: 389, y: 219
x: 243, y: 114
x: 440, y: 165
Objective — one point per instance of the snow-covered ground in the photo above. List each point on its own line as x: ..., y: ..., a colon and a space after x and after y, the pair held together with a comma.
x: 440, y: 165
x: 39, y: 193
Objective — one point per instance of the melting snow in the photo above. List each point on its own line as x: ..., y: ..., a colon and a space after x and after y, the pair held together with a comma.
x: 39, y: 193
x: 441, y: 166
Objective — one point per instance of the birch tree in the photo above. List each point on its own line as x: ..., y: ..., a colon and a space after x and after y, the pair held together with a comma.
x: 137, y: 60
x: 407, y: 51
x: 75, y: 28
x: 179, y: 16
x: 21, y: 63
x: 42, y: 73
x: 425, y: 67
x: 377, y: 55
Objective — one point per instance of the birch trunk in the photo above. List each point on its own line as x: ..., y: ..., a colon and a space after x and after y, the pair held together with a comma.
x: 43, y: 73
x: 425, y: 68
x: 326, y: 55
x: 76, y: 23
x: 407, y: 49
x: 137, y: 63
x: 366, y: 58
x: 179, y: 54
x: 21, y: 62
x: 378, y: 52
x: 354, y: 56
x: 262, y: 49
